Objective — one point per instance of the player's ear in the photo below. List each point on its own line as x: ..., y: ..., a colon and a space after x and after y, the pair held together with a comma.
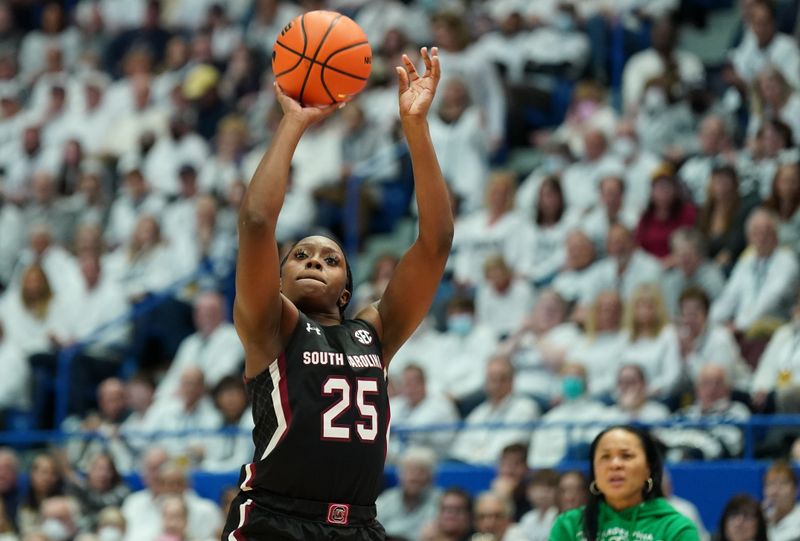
x: 344, y: 298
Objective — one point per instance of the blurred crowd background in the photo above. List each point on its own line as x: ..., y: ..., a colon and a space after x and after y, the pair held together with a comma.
x: 625, y: 178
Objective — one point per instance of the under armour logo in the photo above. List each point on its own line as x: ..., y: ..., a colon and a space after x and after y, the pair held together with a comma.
x: 363, y: 336
x: 310, y: 327
x: 338, y: 513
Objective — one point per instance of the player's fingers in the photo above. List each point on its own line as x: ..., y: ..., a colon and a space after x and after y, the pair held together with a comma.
x: 410, y: 69
x: 402, y: 76
x: 426, y: 58
x: 436, y: 67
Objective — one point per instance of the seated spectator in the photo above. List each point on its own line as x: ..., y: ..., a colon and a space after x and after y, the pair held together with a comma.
x: 682, y: 505
x: 487, y: 231
x: 140, y: 509
x: 632, y: 403
x: 134, y: 200
x: 542, y: 488
x: 139, y: 391
x: 784, y: 200
x: 542, y: 237
x: 774, y: 97
x: 61, y: 518
x: 692, y: 269
x: 227, y: 452
x: 574, y: 280
x: 10, y: 490
x: 573, y: 490
x: 757, y: 165
x: 742, y: 520
x: 476, y: 445
x: 549, y: 445
x: 467, y: 345
x: 371, y: 290
x: 712, y: 404
x: 610, y: 209
x: 493, y: 515
x: 538, y: 348
x: 512, y: 472
x: 404, y: 510
x: 192, y: 410
x: 45, y: 480
x: 598, y: 349
x: 666, y: 211
x: 105, y: 423
x: 652, y: 341
x: 762, y: 45
x: 101, y: 487
x: 655, y: 60
x: 780, y: 502
x: 723, y: 216
x: 15, y: 384
x: 580, y: 180
x: 703, y: 342
x: 110, y: 524
x: 214, y: 347
x: 502, y: 299
x: 453, y: 521
x: 414, y: 407
x: 779, y: 366
x: 625, y: 266
x: 174, y: 519
x: 762, y: 284
x: 715, y: 150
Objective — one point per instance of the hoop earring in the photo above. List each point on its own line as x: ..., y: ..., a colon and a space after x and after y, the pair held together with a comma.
x: 649, y: 485
x: 593, y: 488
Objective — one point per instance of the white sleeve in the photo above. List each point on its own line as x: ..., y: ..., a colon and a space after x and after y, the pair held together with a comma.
x: 724, y: 308
x: 766, y: 374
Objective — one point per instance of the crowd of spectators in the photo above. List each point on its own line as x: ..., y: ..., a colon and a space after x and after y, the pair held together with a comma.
x: 625, y: 250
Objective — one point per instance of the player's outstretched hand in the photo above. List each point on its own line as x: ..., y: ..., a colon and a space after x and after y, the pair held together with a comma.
x: 416, y: 92
x: 306, y: 115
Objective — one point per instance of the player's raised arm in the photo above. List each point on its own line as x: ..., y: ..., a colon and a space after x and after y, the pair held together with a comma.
x: 410, y: 292
x: 260, y: 312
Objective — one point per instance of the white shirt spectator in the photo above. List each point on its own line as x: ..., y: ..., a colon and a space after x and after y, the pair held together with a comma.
x: 573, y: 285
x: 748, y: 58
x: 14, y: 385
x: 717, y: 345
x: 122, y: 14
x: 553, y: 46
x: 758, y: 288
x: 12, y: 239
x: 789, y: 114
x: 645, y: 65
x: 99, y: 306
x: 484, y: 445
x: 600, y: 356
x: 549, y: 444
x: 378, y: 17
x: 167, y: 156
x: 506, y: 50
x: 581, y: 181
x: 174, y: 417
x: 707, y: 277
x: 458, y: 365
x: 31, y: 335
x: 261, y: 33
x: 227, y: 452
x: 712, y: 442
x: 60, y: 267
x: 318, y: 157
x: 542, y: 250
x: 659, y: 357
x: 595, y: 223
x: 502, y: 311
x: 534, y: 364
x: 149, y: 272
x: 475, y: 239
x: 217, y: 355
x: 779, y: 365
x: 787, y: 528
x: 433, y: 410
x: 125, y: 213
x: 642, y: 268
x: 142, y: 512
x: 533, y: 526
x: 463, y: 154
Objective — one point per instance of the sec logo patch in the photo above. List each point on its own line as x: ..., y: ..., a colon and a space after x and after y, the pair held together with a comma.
x: 364, y: 337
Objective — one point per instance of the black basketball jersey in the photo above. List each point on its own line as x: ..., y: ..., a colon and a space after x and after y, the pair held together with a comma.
x: 321, y: 416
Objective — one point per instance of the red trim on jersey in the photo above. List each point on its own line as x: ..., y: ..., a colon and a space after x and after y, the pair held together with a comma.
x: 388, y: 429
x: 250, y: 475
x: 244, y: 512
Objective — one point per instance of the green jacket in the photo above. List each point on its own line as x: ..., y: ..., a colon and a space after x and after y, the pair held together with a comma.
x: 652, y: 520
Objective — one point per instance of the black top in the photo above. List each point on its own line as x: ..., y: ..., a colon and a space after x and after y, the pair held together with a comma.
x: 321, y: 416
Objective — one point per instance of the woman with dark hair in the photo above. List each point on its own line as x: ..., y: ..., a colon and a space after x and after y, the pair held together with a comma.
x: 742, y: 520
x: 102, y: 486
x: 625, y: 499
x: 667, y: 211
x: 784, y: 199
x: 318, y: 380
x: 45, y: 479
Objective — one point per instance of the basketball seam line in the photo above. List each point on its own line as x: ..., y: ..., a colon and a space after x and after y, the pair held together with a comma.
x: 319, y: 48
x: 302, y: 55
x: 323, y: 64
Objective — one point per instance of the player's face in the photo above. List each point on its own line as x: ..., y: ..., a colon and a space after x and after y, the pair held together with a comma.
x: 314, y: 275
x: 621, y: 469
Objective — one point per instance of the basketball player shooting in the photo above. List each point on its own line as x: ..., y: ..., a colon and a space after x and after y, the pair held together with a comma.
x: 317, y: 380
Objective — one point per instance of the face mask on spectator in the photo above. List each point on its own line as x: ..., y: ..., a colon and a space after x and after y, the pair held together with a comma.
x: 55, y: 530
x: 571, y: 387
x: 460, y: 324
x: 109, y: 533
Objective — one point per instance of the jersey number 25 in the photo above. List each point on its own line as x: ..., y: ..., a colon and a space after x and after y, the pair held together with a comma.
x: 367, y: 430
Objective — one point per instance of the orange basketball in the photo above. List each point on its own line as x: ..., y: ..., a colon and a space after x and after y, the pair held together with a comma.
x: 321, y: 57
